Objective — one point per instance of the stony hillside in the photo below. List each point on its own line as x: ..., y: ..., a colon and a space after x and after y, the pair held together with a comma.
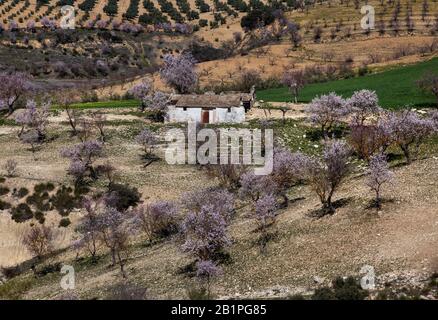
x: 399, y: 240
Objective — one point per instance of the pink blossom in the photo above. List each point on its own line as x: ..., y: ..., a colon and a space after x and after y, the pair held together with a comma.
x: 326, y: 111
x: 179, y: 72
x: 362, y: 105
x: 378, y: 174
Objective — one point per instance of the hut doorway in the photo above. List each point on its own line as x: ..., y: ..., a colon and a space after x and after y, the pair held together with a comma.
x: 205, y: 116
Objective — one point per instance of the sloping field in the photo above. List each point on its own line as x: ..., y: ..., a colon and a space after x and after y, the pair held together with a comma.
x: 396, y: 88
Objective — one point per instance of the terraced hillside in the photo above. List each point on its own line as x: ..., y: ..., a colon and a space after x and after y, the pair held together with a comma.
x: 334, y: 19
x: 136, y: 11
x: 86, y: 181
x: 330, y: 34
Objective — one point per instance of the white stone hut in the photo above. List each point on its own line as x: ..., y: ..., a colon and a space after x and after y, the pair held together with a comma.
x: 210, y: 107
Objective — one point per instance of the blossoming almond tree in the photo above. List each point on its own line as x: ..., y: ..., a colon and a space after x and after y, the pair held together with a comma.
x: 378, y: 174
x: 65, y: 100
x: 146, y: 138
x: 363, y: 105
x: 220, y: 199
x: 32, y: 138
x: 205, y: 233
x: 429, y: 82
x: 409, y: 131
x: 88, y: 226
x: 34, y: 118
x: 13, y: 87
x: 141, y: 91
x: 287, y: 171
x: 265, y: 212
x: 326, y: 111
x: 326, y: 174
x: 295, y: 80
x: 206, y: 271
x: 179, y: 72
x: 255, y: 186
x: 115, y: 228
x: 82, y: 157
x: 158, y: 219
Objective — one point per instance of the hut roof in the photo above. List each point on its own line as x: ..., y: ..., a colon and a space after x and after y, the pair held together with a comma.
x: 211, y: 100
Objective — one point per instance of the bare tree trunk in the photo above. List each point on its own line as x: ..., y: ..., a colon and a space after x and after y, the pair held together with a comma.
x: 73, y: 126
x: 10, y: 110
x: 21, y: 131
x: 285, y: 200
x: 122, y: 266
x: 378, y: 199
x: 113, y: 257
x: 102, y: 135
x: 328, y: 206
x: 407, y: 154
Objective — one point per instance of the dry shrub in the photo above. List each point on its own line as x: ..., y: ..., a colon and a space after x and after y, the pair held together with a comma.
x: 127, y: 291
x: 158, y: 220
x: 39, y: 240
x: 10, y: 167
x: 366, y: 140
x: 227, y: 174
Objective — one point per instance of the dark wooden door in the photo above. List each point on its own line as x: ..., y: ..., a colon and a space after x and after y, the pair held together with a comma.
x: 205, y: 116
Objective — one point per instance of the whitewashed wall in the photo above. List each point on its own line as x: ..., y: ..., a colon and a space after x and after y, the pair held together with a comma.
x: 237, y: 115
x: 179, y: 115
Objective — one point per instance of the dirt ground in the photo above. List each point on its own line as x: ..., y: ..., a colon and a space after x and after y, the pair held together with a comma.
x: 158, y: 181
x: 402, y: 236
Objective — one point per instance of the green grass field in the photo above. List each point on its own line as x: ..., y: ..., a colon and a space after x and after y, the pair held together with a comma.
x: 106, y: 104
x: 396, y: 88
